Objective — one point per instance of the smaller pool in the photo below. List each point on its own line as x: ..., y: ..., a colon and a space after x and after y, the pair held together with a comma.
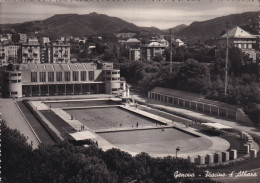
x: 156, y: 141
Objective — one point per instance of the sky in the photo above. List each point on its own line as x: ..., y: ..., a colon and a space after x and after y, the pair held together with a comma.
x: 162, y: 14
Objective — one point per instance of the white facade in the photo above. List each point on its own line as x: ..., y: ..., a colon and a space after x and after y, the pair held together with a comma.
x: 60, y: 53
x: 30, y: 53
x: 241, y: 39
x: 134, y: 54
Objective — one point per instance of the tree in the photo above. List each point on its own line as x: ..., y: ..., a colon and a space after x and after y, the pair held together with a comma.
x: 158, y: 58
x: 236, y: 61
x: 16, y: 155
x: 63, y: 162
x: 192, y: 76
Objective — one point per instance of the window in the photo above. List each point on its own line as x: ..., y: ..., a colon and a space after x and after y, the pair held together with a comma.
x: 19, y: 74
x: 50, y: 76
x: 33, y: 76
x: 75, y: 75
x: 58, y: 76
x: 91, y: 75
x: 83, y: 75
x: 13, y: 93
x: 13, y: 74
x: 42, y: 77
x: 13, y: 81
x: 67, y: 76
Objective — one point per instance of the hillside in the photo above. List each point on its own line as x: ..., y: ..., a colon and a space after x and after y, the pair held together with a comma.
x: 203, y: 31
x: 93, y: 23
x: 176, y: 28
x: 74, y: 25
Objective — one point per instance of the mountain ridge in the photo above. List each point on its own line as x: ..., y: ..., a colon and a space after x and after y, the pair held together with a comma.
x: 206, y: 30
x: 93, y: 23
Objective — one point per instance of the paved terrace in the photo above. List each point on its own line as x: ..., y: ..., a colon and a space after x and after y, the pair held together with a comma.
x: 82, y: 100
x: 132, y: 128
x: 91, y: 107
x: 68, y: 97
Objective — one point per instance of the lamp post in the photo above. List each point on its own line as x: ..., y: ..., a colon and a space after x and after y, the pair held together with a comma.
x: 170, y: 50
x: 226, y: 63
x: 177, y: 150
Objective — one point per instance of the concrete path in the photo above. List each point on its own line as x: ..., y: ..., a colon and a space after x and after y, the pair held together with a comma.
x: 90, y: 107
x: 39, y: 105
x: 15, y: 120
x: 134, y: 128
x: 184, y: 112
x: 68, y: 97
x: 82, y: 100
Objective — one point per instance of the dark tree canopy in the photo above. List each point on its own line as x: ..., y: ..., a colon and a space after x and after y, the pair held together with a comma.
x: 64, y: 163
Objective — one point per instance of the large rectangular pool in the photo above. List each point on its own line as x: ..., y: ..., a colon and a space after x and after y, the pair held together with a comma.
x: 112, y: 117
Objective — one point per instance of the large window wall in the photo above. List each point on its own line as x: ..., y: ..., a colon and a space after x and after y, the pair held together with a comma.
x: 61, y: 76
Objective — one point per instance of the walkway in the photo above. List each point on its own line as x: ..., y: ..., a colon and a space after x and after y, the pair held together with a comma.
x: 15, y: 120
x: 121, y: 129
x: 90, y: 107
x: 192, y: 114
x: 41, y: 133
x: 68, y: 97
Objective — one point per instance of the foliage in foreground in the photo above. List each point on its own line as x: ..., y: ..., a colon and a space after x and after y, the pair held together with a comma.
x: 64, y: 162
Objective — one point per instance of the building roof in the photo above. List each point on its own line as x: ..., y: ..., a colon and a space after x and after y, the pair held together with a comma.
x: 237, y: 32
x: 132, y: 40
x: 179, y: 41
x: 155, y: 44
x: 58, y: 67
x: 163, y: 40
x: 217, y: 126
x: 191, y: 97
x: 84, y: 135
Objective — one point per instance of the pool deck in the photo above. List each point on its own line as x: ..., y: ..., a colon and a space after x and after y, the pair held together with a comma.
x: 82, y: 100
x: 148, y: 115
x: 132, y: 128
x: 90, y: 107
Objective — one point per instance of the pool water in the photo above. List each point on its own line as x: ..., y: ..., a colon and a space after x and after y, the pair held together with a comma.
x: 156, y: 141
x: 112, y: 117
x: 152, y: 141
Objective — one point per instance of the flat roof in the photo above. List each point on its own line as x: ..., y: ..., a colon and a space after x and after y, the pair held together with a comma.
x: 191, y: 97
x: 84, y: 135
x: 216, y: 126
x: 58, y: 66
